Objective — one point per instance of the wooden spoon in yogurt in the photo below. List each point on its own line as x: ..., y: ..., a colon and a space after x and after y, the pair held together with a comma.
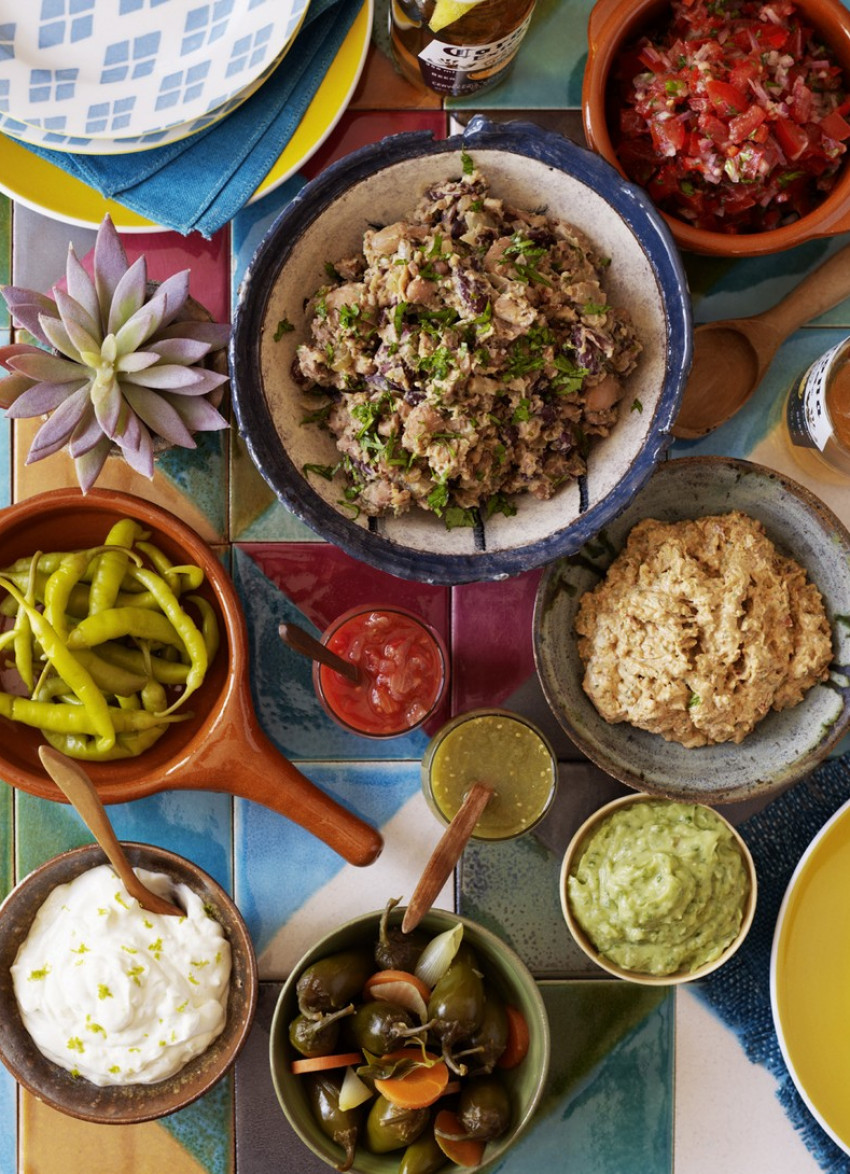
x: 81, y: 793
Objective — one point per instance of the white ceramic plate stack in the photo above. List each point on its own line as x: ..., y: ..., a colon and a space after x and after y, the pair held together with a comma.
x: 95, y: 78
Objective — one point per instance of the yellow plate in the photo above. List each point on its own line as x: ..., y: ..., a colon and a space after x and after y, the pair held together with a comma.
x: 41, y: 185
x: 810, y: 976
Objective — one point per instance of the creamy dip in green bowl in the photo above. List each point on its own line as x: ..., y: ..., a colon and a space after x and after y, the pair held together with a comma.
x: 660, y: 887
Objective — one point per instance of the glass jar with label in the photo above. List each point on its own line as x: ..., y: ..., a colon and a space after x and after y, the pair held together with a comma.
x: 817, y: 413
x: 457, y: 46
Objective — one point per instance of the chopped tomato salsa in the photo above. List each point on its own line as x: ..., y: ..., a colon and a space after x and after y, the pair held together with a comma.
x: 734, y: 116
x: 402, y: 673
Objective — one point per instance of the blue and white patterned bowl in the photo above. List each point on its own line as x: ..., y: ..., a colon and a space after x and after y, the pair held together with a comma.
x: 134, y: 67
x: 381, y: 183
x: 783, y: 746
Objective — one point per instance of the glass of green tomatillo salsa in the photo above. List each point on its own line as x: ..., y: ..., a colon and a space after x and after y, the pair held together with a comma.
x: 504, y: 751
x: 658, y: 891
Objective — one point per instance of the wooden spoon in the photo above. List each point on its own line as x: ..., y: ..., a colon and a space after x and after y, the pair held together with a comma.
x: 80, y: 791
x: 446, y: 854
x: 300, y: 641
x: 731, y: 357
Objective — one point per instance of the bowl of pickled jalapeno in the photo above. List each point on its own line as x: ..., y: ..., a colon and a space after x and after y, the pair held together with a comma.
x: 123, y: 643
x: 409, y: 1053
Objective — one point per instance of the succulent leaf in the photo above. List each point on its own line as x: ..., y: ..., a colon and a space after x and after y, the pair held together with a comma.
x: 81, y: 287
x: 38, y: 398
x: 110, y: 265
x: 41, y: 366
x: 168, y: 376
x: 56, y: 333
x: 11, y: 390
x: 83, y: 331
x: 171, y: 296
x: 88, y: 466
x: 129, y: 296
x: 86, y: 435
x: 160, y: 416
x: 138, y: 329
x: 73, y: 311
x: 136, y: 361
x: 217, y: 334
x: 180, y: 350
x: 197, y: 413
x: 57, y: 428
x: 26, y: 306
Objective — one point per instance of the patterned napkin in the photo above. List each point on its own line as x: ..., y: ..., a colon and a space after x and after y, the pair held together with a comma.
x: 201, y: 182
x: 740, y: 991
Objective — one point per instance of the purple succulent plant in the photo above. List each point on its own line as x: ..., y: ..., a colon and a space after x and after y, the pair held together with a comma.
x: 125, y: 367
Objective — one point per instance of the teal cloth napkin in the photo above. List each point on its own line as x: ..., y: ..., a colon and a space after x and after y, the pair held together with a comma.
x: 739, y: 992
x: 201, y: 182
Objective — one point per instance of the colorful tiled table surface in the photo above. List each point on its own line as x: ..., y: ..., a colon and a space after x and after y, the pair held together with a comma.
x: 642, y: 1082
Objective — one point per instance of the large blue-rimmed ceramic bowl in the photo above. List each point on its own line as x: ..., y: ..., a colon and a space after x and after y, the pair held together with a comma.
x: 381, y: 183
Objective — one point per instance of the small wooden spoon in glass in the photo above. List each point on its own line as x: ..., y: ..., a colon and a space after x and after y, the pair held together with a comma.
x: 446, y: 855
x: 731, y: 357
x: 300, y: 641
x: 80, y: 792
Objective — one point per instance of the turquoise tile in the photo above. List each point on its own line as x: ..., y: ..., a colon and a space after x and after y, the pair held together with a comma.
x: 194, y: 824
x: 7, y: 844
x: 201, y: 475
x: 206, y: 1129
x: 548, y: 69
x: 251, y: 224
x: 608, y: 1104
x: 723, y: 288
x: 757, y: 419
x: 8, y: 1114
x: 375, y: 791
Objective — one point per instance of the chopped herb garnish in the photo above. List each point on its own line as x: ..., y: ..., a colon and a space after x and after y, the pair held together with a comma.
x: 283, y: 327
x: 637, y: 406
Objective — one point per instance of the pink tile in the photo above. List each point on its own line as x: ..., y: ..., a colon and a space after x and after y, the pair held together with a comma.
x: 209, y: 261
x: 322, y: 581
x: 492, y: 645
x: 358, y: 128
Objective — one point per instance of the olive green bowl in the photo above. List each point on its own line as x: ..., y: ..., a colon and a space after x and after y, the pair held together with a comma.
x: 571, y: 860
x: 509, y: 977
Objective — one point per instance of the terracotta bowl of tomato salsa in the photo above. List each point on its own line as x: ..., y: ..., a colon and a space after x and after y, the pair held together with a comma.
x: 403, y: 671
x: 741, y: 155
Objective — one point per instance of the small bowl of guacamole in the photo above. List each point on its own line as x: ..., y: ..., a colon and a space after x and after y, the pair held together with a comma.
x: 656, y: 890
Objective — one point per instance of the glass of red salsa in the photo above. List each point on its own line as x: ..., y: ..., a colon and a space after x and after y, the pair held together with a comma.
x: 404, y: 671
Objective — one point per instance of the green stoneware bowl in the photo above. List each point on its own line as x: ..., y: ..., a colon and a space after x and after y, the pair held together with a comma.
x: 785, y: 745
x: 503, y: 969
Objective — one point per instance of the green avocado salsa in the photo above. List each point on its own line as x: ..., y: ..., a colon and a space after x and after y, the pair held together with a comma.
x: 660, y: 887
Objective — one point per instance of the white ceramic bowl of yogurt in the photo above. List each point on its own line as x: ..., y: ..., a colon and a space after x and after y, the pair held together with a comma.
x: 203, y: 1015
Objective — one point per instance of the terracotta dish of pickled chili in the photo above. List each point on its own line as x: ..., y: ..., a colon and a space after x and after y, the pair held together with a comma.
x: 403, y: 667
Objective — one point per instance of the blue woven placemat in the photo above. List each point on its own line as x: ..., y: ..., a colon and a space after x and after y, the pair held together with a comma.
x: 739, y: 993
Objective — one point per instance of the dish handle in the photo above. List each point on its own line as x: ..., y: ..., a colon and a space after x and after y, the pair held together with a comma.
x: 251, y: 767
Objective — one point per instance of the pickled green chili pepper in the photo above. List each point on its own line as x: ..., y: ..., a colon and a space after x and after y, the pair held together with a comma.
x: 111, y: 565
x: 185, y: 627
x: 22, y: 643
x: 134, y: 660
x: 74, y: 718
x: 58, y: 588
x: 172, y: 574
x: 77, y: 677
x: 209, y: 623
x: 127, y: 745
x: 116, y: 622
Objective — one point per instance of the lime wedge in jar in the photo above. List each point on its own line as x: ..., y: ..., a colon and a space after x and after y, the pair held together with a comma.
x: 446, y: 12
